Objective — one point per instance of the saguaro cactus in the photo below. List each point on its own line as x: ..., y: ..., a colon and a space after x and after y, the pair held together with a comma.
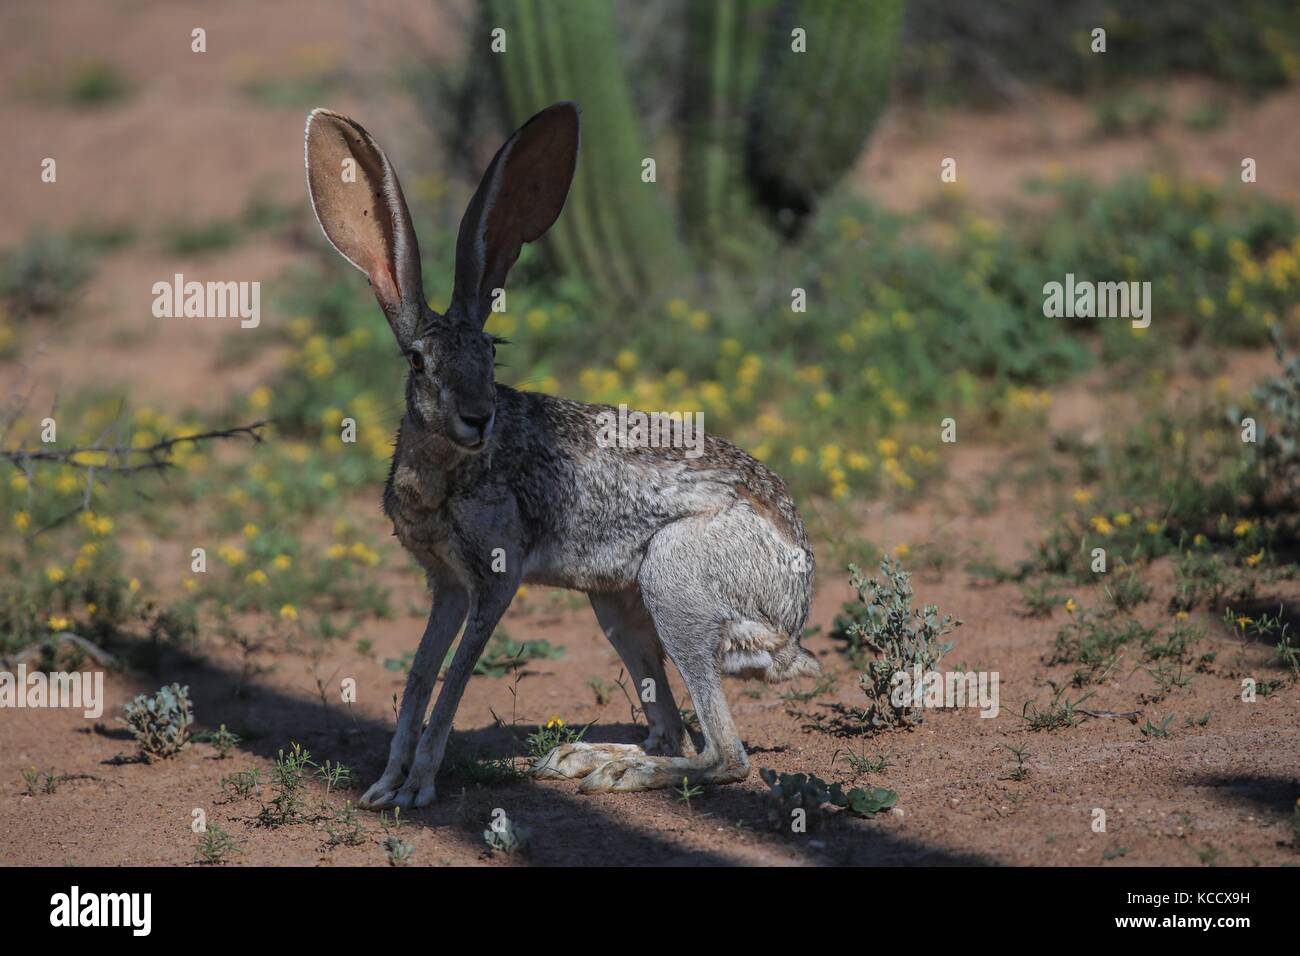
x: 725, y: 48
x: 762, y: 127
x: 813, y: 110
x: 617, y: 231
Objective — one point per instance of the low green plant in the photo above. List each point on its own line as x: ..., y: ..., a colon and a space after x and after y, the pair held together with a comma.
x: 1127, y: 590
x: 222, y: 740
x: 161, y: 723
x: 686, y: 793
x: 287, y: 778
x: 1021, y: 770
x: 44, y: 276
x: 48, y: 780
x: 506, y: 836
x: 242, y: 784
x: 397, y: 851
x: 1059, y: 714
x: 554, y: 733
x: 901, y: 637
x: 335, y: 775
x: 93, y: 83
x: 504, y: 654
x: 1168, y: 677
x: 1157, y: 730
x: 343, y: 828
x: 790, y: 793
x: 1040, y: 598
x: 215, y: 846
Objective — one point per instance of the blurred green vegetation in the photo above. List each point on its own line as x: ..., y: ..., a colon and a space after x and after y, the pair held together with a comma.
x: 992, y: 50
x: 909, y: 319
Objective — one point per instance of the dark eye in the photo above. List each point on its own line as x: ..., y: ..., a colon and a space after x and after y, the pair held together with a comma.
x: 416, y: 360
x: 493, y: 343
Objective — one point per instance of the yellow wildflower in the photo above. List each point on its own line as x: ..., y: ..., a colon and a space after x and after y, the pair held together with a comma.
x: 1101, y: 525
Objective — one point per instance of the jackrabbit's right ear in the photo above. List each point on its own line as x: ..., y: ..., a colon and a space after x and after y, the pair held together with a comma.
x: 359, y: 205
x: 520, y: 196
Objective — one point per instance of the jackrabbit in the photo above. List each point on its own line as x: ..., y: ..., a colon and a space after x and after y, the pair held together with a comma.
x: 703, y: 557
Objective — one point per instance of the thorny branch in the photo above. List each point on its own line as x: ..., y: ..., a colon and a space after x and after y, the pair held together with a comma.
x: 119, y: 459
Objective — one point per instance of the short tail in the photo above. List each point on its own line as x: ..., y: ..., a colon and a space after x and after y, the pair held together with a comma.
x: 792, y: 661
x: 752, y: 649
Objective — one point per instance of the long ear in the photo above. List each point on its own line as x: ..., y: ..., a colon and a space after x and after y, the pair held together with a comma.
x: 520, y: 196
x: 359, y: 205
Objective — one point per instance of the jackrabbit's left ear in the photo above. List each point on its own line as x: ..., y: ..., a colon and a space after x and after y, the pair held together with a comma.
x: 520, y: 196
x: 358, y: 202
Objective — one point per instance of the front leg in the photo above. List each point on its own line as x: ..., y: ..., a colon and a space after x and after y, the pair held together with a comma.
x: 450, y: 602
x: 489, y: 604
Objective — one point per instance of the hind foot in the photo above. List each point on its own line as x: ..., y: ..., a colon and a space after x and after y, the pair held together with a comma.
x: 571, y: 761
x: 656, y: 773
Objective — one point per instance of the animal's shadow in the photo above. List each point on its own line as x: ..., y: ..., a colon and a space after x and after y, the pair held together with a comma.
x: 569, y: 829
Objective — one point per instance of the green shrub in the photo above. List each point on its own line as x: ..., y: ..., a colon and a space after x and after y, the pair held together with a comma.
x: 161, y: 723
x: 901, y: 637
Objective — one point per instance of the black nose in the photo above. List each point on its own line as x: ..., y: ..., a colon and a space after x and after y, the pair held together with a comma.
x: 478, y: 423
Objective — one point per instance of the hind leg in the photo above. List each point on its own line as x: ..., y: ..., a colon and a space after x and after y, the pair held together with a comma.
x: 681, y: 591
x: 723, y: 759
x: 631, y: 630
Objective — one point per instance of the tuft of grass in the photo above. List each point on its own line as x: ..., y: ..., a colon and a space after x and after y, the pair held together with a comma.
x: 1040, y: 598
x: 1021, y: 770
x: 1127, y: 590
x: 1157, y: 730
x: 94, y: 83
x: 344, y: 828
x: 287, y: 779
x: 1059, y: 714
x: 242, y: 784
x: 215, y: 846
x: 222, y: 740
x: 554, y: 733
x: 44, y: 276
x: 191, y: 240
x: 860, y: 763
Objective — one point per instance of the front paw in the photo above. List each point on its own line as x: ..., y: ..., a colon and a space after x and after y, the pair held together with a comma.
x: 416, y: 792
x: 382, y: 792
